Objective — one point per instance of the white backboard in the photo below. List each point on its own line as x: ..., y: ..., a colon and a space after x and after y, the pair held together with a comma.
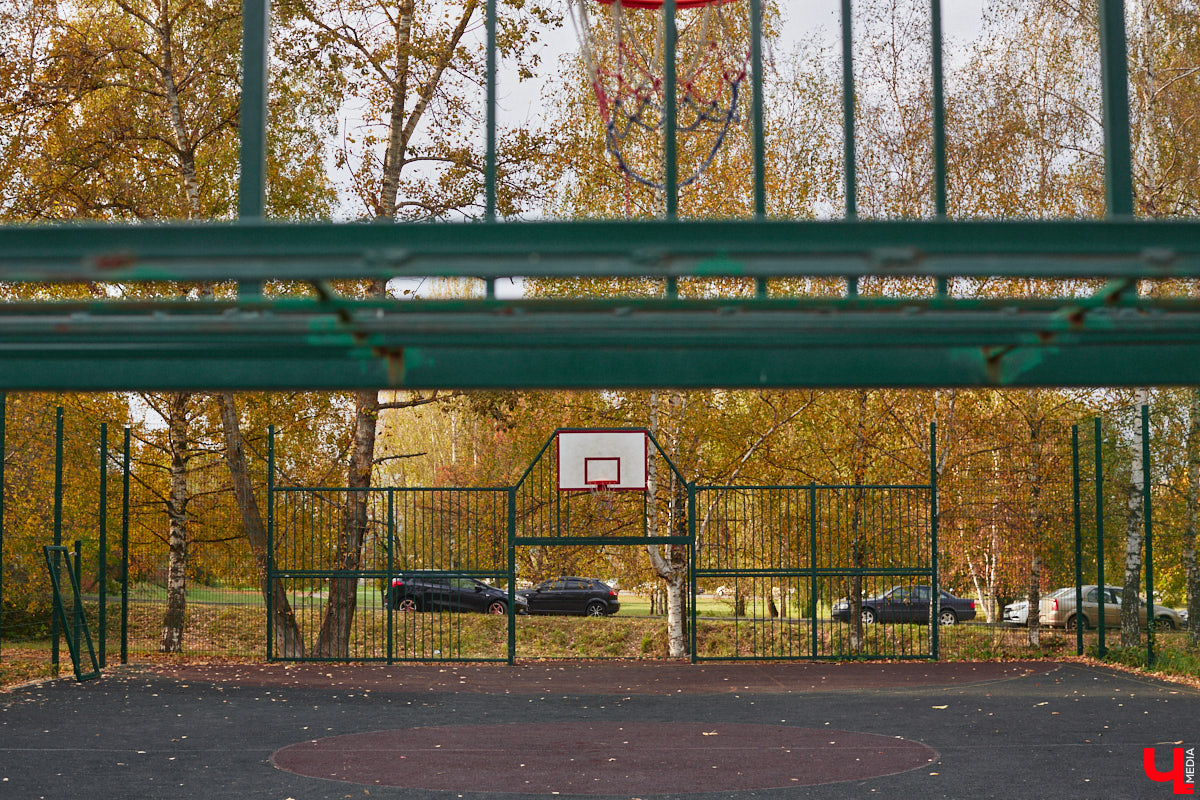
x: 594, y: 459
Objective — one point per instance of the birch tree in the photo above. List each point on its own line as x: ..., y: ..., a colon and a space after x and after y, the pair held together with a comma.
x: 1131, y: 619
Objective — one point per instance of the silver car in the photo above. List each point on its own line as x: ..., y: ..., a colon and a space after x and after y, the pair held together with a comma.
x: 1058, y: 609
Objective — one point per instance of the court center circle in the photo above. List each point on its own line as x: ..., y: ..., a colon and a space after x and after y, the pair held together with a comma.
x: 595, y: 758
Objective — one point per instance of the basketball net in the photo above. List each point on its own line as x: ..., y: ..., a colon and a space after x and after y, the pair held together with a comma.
x: 605, y: 499
x: 622, y: 51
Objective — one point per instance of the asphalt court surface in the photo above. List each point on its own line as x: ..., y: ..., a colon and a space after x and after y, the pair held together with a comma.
x: 620, y: 730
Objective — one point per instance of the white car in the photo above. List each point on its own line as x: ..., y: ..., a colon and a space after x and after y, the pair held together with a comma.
x: 1018, y: 613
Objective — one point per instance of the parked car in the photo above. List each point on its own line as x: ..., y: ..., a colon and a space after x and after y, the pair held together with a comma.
x: 1017, y: 613
x: 571, y: 595
x: 907, y: 604
x: 1058, y: 609
x: 415, y: 591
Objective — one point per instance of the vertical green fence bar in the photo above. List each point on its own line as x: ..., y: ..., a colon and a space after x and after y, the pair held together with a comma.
x: 102, y: 566
x: 3, y: 453
x: 77, y: 595
x: 848, y: 149
x: 756, y: 111
x: 939, y: 111
x: 125, y: 548
x: 1079, y: 541
x: 935, y: 593
x: 691, y: 512
x: 1147, y: 519
x: 812, y: 567
x: 512, y: 575
x: 670, y: 167
x: 1099, y: 469
x: 849, y: 156
x: 939, y: 121
x: 391, y: 572
x: 1114, y: 77
x: 252, y: 117
x: 252, y: 112
x: 270, y: 542
x: 58, y: 503
x: 489, y: 175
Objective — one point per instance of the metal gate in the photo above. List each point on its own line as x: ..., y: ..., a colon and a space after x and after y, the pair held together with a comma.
x: 437, y: 543
x: 775, y: 561
x: 765, y: 566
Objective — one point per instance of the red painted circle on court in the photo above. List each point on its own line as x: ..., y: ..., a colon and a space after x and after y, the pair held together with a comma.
x: 603, y: 757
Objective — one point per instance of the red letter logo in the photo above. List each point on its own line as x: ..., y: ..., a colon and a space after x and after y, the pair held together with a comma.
x: 1177, y: 774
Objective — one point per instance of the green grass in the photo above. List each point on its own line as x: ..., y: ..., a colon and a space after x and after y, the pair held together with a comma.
x: 224, y: 631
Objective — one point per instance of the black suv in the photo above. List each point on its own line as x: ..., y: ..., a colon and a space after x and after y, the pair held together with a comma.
x: 413, y: 591
x: 570, y: 595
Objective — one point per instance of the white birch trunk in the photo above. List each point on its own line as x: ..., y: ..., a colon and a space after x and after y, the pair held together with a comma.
x: 669, y: 562
x: 1130, y: 622
x: 177, y: 533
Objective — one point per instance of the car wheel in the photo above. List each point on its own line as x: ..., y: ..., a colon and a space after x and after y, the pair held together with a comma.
x: 595, y: 609
x: 1164, y: 624
x: 497, y: 607
x: 408, y: 604
x: 1071, y: 623
x: 868, y: 616
x: 947, y: 617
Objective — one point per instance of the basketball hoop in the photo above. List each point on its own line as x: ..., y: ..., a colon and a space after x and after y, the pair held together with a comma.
x: 605, y: 498
x: 622, y: 52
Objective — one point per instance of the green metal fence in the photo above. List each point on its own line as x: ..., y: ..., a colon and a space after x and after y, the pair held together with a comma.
x: 781, y: 555
x: 775, y: 337
x: 765, y: 563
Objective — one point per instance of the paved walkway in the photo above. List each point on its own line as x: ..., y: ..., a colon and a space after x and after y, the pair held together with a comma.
x: 310, y: 732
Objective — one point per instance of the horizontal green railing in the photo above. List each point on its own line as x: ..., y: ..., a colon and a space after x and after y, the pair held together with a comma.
x: 765, y: 338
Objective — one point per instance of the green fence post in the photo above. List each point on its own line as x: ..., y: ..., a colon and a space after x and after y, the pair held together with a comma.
x: 848, y: 155
x: 1099, y: 453
x: 3, y: 452
x: 489, y: 172
x: 1114, y: 78
x: 125, y: 549
x: 691, y: 490
x: 391, y: 571
x: 1079, y: 543
x: 1147, y: 519
x: 512, y: 575
x: 252, y: 120
x: 939, y: 123
x: 77, y: 599
x: 671, y: 112
x: 812, y: 566
x: 102, y: 565
x: 756, y: 113
x: 270, y: 541
x: 58, y: 498
x: 936, y: 591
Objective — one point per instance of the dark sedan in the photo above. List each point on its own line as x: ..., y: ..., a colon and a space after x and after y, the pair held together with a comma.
x: 907, y: 604
x: 572, y: 595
